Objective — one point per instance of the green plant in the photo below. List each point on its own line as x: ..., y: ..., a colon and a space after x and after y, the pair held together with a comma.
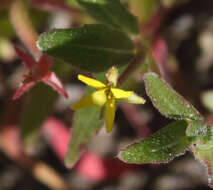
x: 96, y: 48
x: 117, y: 40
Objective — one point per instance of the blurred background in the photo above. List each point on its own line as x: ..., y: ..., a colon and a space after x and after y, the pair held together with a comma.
x: 182, y: 46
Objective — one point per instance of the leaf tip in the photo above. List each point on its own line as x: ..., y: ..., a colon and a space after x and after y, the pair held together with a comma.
x: 68, y: 164
x: 38, y: 43
x: 41, y: 39
x: 150, y: 73
x: 119, y: 156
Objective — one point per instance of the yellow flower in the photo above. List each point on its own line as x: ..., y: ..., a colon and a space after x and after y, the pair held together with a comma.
x: 105, y: 95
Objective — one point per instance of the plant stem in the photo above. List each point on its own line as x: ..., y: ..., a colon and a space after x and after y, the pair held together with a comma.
x: 131, y: 67
x: 22, y: 24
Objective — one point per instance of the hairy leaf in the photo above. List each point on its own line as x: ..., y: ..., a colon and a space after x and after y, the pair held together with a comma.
x: 86, y: 123
x: 167, y: 101
x: 112, y: 13
x: 91, y: 47
x: 203, y: 151
x: 196, y: 128
x: 162, y: 147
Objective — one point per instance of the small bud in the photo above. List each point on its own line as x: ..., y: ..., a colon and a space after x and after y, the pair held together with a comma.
x: 112, y: 76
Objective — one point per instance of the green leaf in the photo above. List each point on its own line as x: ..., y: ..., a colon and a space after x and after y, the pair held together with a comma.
x: 167, y: 101
x: 39, y: 105
x: 34, y: 113
x: 162, y: 147
x: 72, y: 3
x: 203, y: 151
x: 86, y: 124
x: 91, y: 47
x: 112, y: 13
x: 196, y: 128
x: 7, y: 30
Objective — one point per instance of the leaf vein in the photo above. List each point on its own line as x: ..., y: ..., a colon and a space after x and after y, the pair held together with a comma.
x: 118, y: 51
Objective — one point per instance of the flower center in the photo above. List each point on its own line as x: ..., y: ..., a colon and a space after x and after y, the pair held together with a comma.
x: 109, y: 93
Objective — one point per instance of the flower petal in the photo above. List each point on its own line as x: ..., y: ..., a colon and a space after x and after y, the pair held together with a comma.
x: 118, y: 93
x: 84, y: 102
x: 133, y: 99
x: 99, y: 97
x: 91, y: 82
x: 110, y: 114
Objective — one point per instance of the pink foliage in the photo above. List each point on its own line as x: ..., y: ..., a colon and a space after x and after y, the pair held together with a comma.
x: 39, y: 71
x: 96, y: 168
x: 57, y: 135
x: 91, y: 166
x: 160, y: 53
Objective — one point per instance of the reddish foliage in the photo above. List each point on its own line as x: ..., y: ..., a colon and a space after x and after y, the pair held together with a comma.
x: 39, y: 71
x: 97, y: 168
x: 57, y: 135
x: 160, y: 52
x: 154, y: 23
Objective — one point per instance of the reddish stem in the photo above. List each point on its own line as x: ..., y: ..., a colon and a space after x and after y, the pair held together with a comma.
x: 131, y: 68
x: 24, y: 29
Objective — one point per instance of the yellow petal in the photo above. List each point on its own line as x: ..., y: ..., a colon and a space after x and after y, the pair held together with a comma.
x: 134, y: 99
x: 85, y: 101
x: 99, y: 97
x: 118, y: 93
x: 91, y: 82
x: 110, y: 114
